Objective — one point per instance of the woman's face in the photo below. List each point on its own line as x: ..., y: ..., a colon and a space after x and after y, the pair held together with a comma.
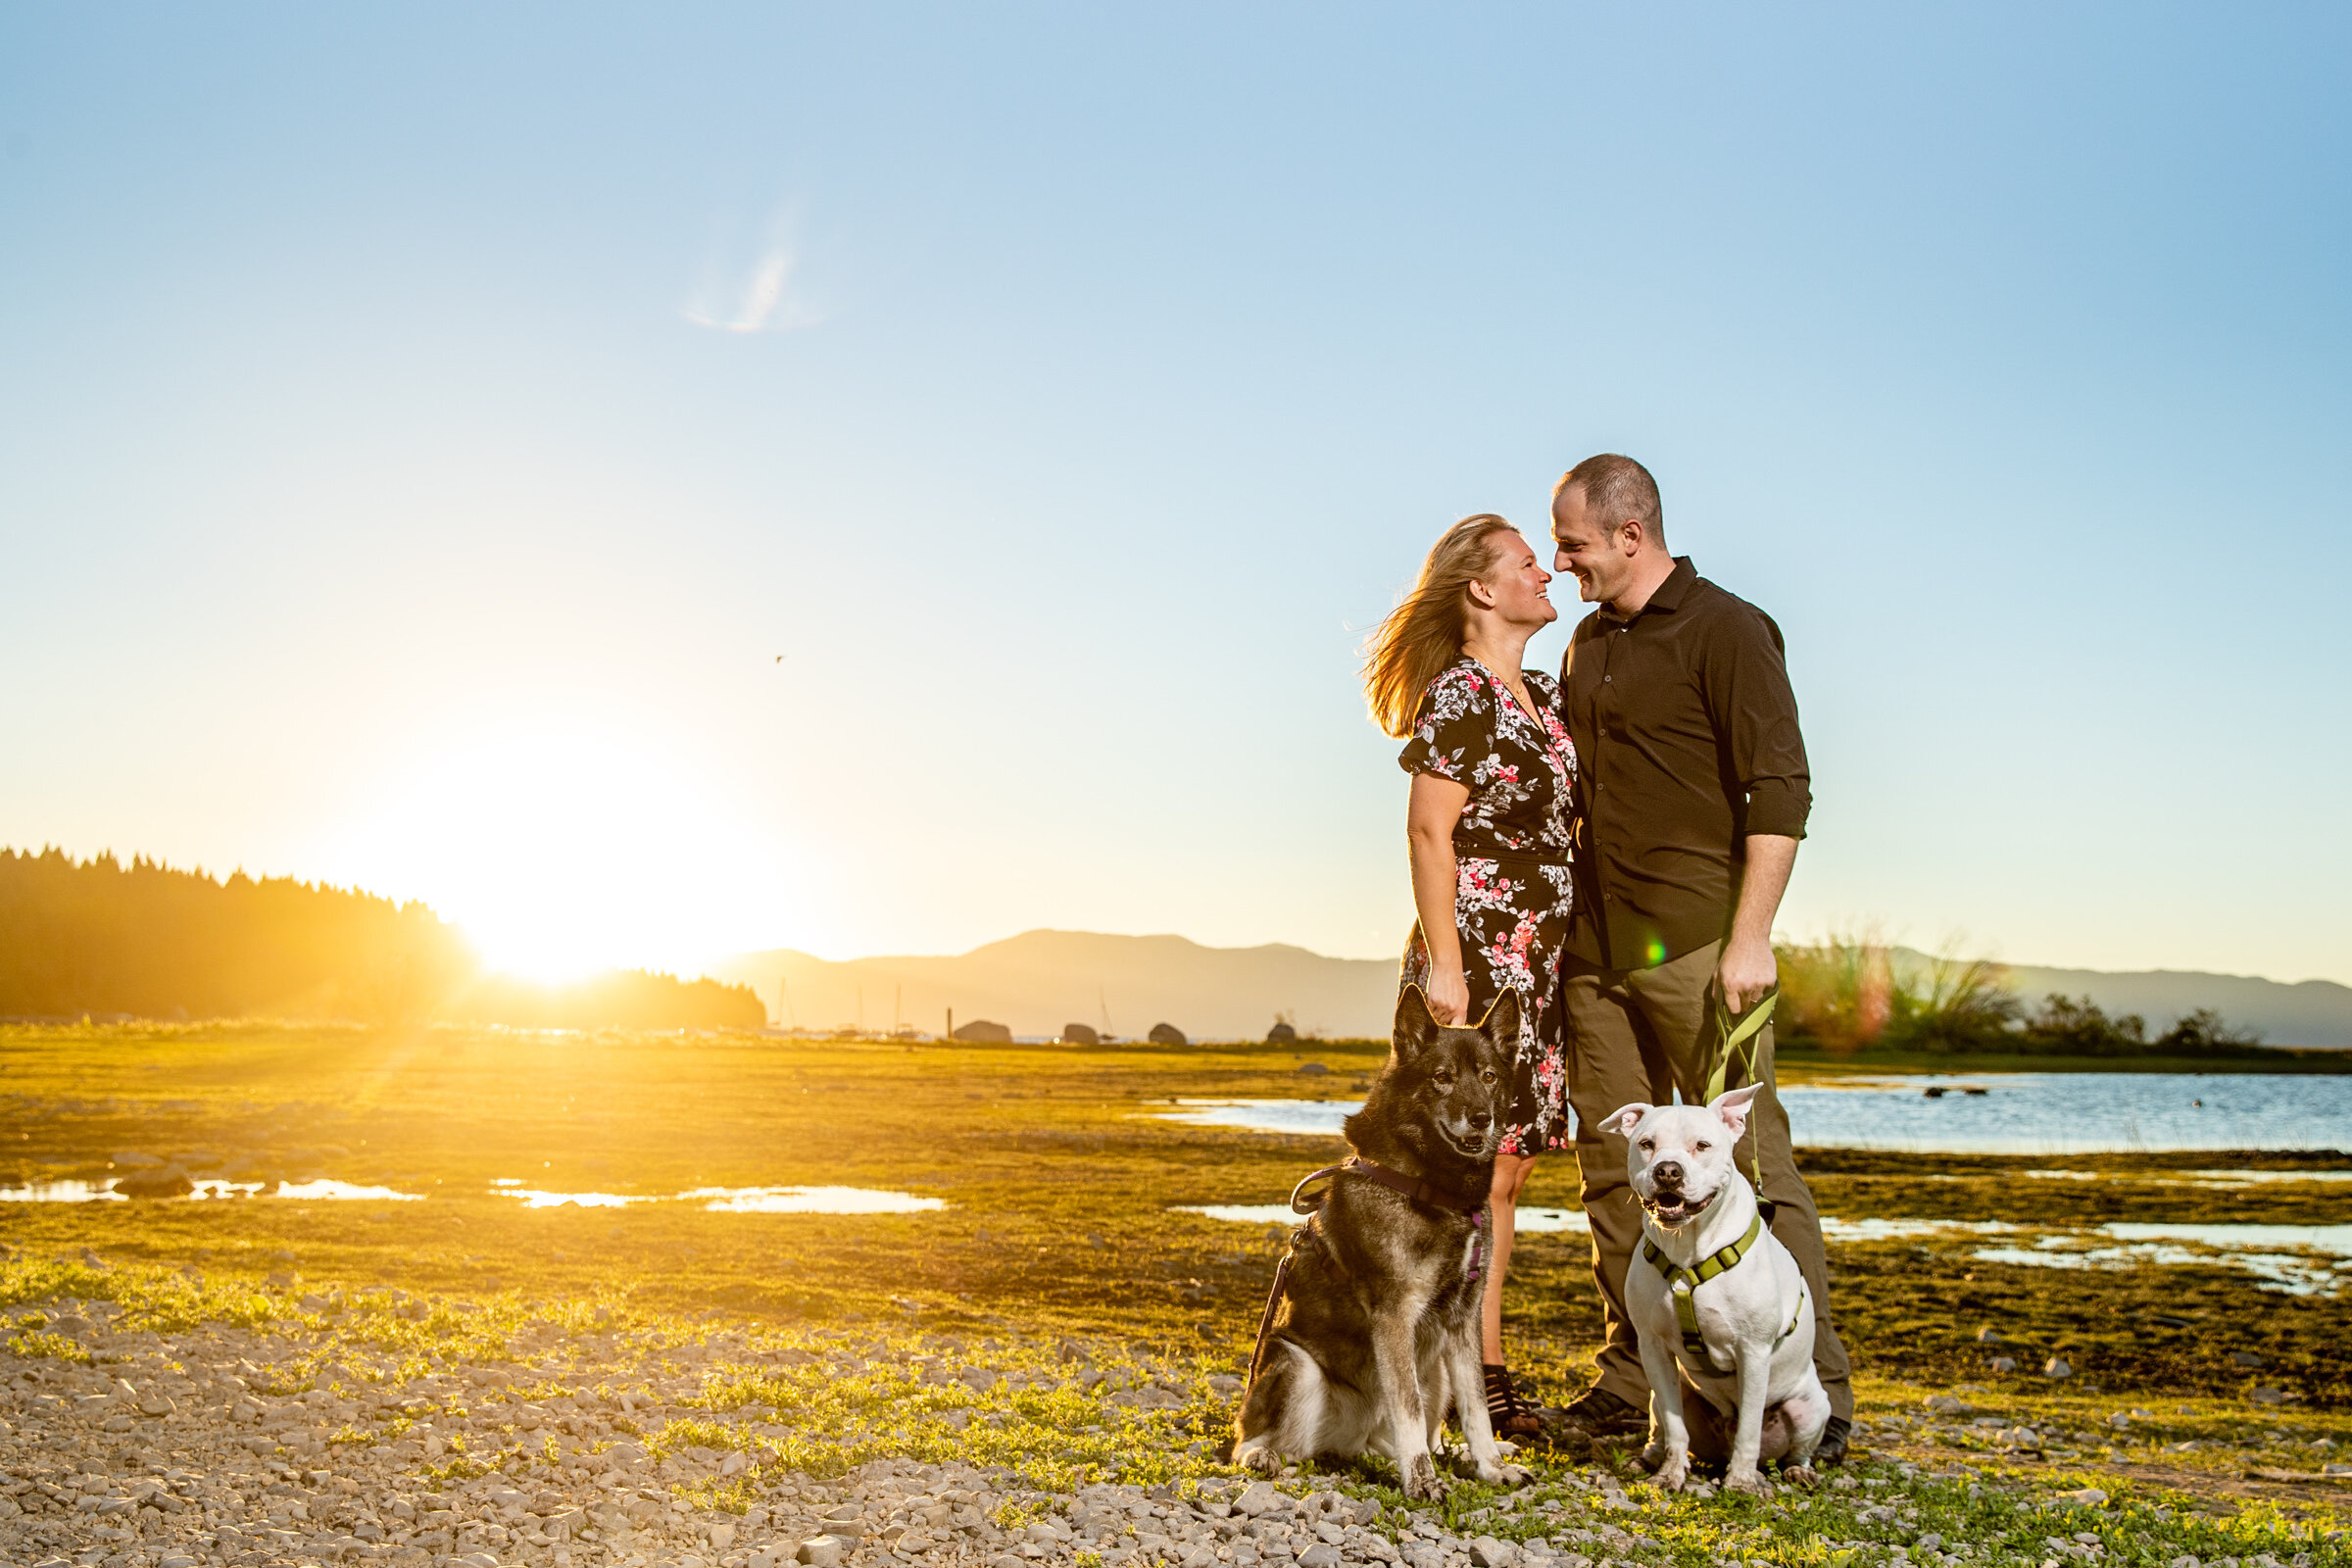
x: 1517, y: 582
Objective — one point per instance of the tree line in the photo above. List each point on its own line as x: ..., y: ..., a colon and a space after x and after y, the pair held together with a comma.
x: 1849, y: 995
x: 144, y: 940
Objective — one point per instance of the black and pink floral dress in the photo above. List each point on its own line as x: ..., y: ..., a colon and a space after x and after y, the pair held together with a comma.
x: 1513, y: 890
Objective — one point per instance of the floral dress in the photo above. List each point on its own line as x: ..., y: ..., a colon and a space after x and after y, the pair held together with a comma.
x: 1512, y: 889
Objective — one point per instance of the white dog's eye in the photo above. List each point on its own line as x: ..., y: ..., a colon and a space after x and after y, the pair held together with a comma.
x: 1650, y: 1142
x: 1702, y: 1144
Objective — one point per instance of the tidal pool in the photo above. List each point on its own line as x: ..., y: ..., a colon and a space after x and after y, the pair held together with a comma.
x: 2017, y: 1113
x: 324, y: 1189
x: 809, y: 1200
x: 740, y: 1200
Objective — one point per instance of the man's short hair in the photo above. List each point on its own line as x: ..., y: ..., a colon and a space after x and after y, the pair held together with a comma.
x: 1617, y: 489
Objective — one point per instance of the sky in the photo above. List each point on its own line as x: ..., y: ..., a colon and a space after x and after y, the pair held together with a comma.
x: 657, y: 481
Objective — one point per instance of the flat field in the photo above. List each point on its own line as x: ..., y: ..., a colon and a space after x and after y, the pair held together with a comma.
x: 2211, y: 1400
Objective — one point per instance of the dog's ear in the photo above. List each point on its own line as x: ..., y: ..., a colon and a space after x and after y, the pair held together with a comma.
x: 1415, y: 1025
x: 1625, y: 1118
x: 1733, y: 1105
x: 1500, y: 1025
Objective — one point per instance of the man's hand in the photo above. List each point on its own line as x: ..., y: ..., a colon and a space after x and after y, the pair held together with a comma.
x: 1745, y: 972
x: 1747, y: 968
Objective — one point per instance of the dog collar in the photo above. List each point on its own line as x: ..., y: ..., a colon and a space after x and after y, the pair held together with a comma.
x: 1419, y: 1190
x: 1681, y: 1280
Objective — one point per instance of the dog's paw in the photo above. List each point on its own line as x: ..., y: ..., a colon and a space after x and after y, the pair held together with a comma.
x: 1259, y: 1461
x: 1422, y: 1483
x: 1804, y: 1475
x: 1671, y: 1471
x: 1502, y: 1475
x: 1747, y: 1481
x: 1653, y: 1455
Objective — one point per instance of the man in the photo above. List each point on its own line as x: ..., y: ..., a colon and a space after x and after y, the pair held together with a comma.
x: 1695, y: 792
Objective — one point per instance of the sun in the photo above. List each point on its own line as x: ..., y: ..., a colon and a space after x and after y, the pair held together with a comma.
x: 562, y: 849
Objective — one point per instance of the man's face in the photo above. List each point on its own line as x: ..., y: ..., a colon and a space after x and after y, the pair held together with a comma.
x: 1602, y: 564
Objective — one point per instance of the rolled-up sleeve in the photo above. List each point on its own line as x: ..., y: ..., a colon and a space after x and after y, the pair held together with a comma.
x: 1755, y: 710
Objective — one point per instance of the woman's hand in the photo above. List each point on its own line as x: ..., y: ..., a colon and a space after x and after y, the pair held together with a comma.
x: 1449, y: 995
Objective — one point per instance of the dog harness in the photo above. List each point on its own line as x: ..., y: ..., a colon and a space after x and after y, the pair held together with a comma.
x: 1682, y: 1282
x: 1418, y: 1189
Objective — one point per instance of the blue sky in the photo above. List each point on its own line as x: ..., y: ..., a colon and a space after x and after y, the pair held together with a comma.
x: 422, y: 429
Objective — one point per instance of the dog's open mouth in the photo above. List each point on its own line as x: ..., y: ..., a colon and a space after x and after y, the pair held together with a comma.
x: 1673, y: 1208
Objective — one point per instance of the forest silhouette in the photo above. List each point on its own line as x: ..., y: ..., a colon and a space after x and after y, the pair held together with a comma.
x: 107, y: 939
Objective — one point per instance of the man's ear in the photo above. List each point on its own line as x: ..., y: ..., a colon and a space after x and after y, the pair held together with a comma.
x: 1625, y: 1118
x: 1415, y: 1026
x: 1732, y: 1106
x: 1500, y: 1025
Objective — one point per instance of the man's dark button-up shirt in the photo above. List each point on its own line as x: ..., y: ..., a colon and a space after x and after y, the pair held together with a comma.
x: 1687, y: 742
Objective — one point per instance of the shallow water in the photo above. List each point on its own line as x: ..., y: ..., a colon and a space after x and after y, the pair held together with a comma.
x: 533, y: 1197
x: 2018, y: 1113
x: 811, y: 1201
x: 740, y: 1200
x: 322, y: 1190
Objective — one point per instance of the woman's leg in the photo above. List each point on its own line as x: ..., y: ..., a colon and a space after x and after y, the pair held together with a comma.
x: 1511, y: 1172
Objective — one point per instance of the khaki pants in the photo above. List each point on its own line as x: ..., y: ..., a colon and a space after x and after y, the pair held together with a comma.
x: 1640, y: 1035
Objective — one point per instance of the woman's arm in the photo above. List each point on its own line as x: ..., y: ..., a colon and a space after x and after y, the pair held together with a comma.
x: 1429, y: 819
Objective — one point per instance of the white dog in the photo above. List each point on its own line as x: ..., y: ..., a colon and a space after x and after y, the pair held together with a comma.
x: 1716, y: 1299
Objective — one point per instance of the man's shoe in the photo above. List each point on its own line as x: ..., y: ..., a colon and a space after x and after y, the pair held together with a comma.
x: 1834, y: 1438
x: 1597, y: 1414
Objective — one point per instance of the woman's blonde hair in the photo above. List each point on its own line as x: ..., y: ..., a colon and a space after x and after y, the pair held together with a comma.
x: 1423, y: 634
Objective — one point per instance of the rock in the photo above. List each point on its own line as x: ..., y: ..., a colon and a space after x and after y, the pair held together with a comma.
x: 1322, y: 1554
x: 1079, y: 1034
x: 722, y: 1534
x: 2085, y: 1497
x: 1311, y: 1070
x: 2269, y: 1396
x: 2003, y: 1363
x: 2245, y: 1359
x: 1988, y: 1334
x: 1259, y: 1497
x: 823, y: 1551
x: 2057, y: 1366
x: 1282, y: 1034
x: 1167, y: 1034
x: 981, y: 1031
x: 1945, y: 1404
x: 1487, y: 1552
x: 168, y: 1182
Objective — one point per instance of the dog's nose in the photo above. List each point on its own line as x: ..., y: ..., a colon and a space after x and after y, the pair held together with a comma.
x: 1479, y: 1122
x: 1667, y: 1173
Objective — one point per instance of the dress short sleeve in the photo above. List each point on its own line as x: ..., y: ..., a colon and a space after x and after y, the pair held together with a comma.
x: 1455, y: 727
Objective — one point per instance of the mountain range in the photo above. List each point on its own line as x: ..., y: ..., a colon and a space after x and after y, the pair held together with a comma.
x: 1038, y: 981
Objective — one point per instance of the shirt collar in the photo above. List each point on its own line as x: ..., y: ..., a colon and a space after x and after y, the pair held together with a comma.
x: 1669, y: 594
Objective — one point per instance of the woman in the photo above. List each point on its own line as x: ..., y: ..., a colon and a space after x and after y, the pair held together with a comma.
x: 1489, y: 826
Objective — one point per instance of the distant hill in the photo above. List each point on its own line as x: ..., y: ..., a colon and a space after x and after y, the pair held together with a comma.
x: 1040, y: 980
x: 101, y: 939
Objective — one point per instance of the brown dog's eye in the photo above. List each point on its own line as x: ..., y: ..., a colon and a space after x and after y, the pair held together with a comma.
x: 1487, y: 1077
x: 1444, y: 1080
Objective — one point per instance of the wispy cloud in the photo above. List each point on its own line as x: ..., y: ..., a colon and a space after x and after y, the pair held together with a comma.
x: 760, y: 298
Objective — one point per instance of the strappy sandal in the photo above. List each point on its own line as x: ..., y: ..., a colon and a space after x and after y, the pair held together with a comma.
x: 1513, y: 1419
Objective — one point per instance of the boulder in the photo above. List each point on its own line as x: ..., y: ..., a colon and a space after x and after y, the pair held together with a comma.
x: 1079, y: 1034
x: 1168, y: 1034
x: 981, y: 1031
x: 168, y: 1182
x: 1280, y: 1034
x: 1311, y: 1070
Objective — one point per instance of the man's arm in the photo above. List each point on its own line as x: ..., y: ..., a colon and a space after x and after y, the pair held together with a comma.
x: 1747, y: 968
x: 1749, y: 681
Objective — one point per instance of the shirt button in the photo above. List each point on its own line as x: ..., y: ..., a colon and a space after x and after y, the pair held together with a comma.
x: 1608, y: 677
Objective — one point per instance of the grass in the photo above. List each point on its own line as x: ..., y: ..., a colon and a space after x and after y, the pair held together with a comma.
x: 1057, y: 1252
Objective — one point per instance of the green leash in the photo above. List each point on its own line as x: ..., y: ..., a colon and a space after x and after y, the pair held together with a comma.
x: 1740, y: 1042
